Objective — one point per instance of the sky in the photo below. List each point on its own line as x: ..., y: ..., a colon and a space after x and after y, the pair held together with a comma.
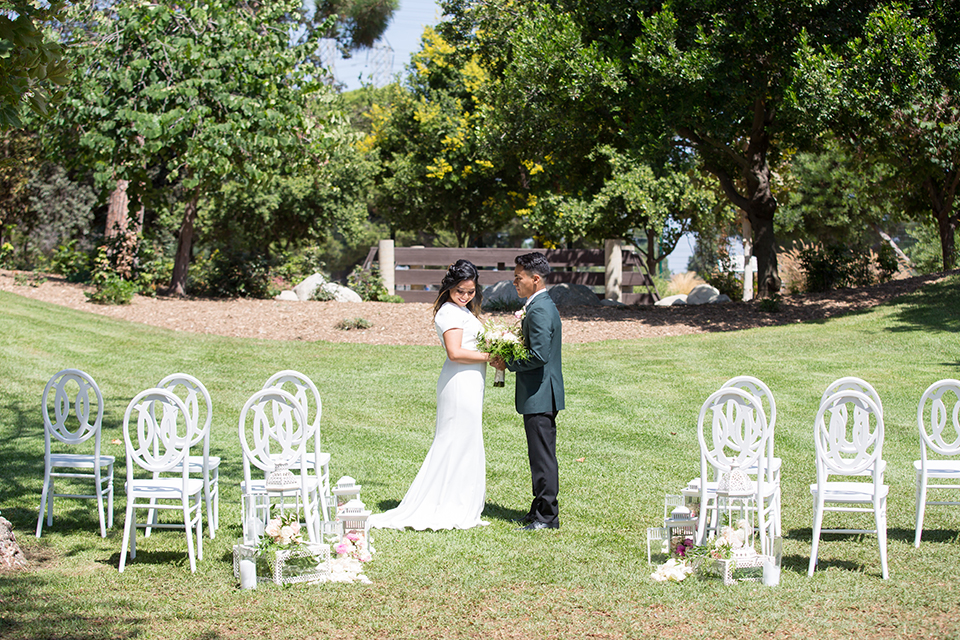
x: 403, y: 37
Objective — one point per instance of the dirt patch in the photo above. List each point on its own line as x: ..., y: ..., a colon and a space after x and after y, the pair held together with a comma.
x: 413, y: 323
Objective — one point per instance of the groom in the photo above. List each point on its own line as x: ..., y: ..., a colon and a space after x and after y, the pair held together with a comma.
x: 539, y: 388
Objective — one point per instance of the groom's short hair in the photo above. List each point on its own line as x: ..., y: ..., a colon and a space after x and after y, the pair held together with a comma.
x: 534, y: 264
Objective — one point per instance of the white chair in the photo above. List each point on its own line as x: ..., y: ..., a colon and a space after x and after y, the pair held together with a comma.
x: 305, y: 391
x: 72, y: 388
x: 733, y: 434
x: 771, y: 506
x: 274, y: 433
x: 853, y: 384
x: 848, y: 432
x: 196, y: 399
x: 938, y: 419
x: 157, y: 440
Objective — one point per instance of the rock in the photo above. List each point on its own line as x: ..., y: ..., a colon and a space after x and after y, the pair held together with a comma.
x: 341, y: 293
x: 11, y: 556
x: 703, y: 294
x: 611, y: 303
x: 501, y: 293
x: 309, y: 286
x: 289, y: 296
x: 722, y: 298
x: 573, y: 295
x: 672, y: 301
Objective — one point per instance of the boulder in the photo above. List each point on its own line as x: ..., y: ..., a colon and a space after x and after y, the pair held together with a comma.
x: 672, y: 301
x: 703, y: 294
x: 573, y: 295
x: 721, y: 299
x: 612, y: 303
x: 341, y: 293
x: 309, y: 286
x: 11, y: 556
x: 289, y: 296
x: 503, y: 293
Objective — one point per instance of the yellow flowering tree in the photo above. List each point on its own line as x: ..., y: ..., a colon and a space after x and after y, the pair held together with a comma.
x: 436, y: 171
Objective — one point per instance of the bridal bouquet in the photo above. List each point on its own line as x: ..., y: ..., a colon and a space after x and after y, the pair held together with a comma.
x: 504, y: 341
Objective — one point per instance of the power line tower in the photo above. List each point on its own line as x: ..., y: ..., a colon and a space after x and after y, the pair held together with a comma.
x: 328, y: 58
x: 381, y: 63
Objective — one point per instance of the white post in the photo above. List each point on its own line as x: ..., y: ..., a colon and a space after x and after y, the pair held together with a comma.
x: 748, y: 267
x: 387, y: 266
x: 613, y: 267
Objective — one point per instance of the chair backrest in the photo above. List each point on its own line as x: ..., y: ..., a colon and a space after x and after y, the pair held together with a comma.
x: 853, y: 384
x: 305, y: 391
x: 738, y: 432
x: 193, y: 394
x: 848, y: 433
x: 157, y: 432
x: 273, y: 430
x: 938, y: 418
x: 72, y: 388
x: 761, y: 392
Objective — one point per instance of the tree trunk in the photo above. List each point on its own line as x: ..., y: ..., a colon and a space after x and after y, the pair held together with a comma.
x: 117, y: 210
x: 181, y: 263
x: 942, y: 204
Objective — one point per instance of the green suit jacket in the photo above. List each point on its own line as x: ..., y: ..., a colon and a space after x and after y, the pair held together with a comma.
x: 540, y: 376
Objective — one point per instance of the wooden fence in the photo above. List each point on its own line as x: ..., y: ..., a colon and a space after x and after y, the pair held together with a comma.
x: 407, y: 271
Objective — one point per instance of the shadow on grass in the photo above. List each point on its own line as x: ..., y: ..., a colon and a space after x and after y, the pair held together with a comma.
x: 936, y: 307
x: 30, y: 612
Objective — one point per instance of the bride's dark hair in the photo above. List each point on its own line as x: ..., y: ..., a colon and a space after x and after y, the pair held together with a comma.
x: 459, y: 271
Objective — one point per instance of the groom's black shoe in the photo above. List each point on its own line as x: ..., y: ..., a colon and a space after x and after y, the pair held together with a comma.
x: 536, y: 525
x: 527, y: 519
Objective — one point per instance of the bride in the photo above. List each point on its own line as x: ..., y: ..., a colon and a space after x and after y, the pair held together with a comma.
x: 449, y: 490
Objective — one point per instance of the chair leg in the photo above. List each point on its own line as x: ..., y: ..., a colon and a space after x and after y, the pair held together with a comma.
x: 921, y: 507
x: 188, y: 530
x: 110, y: 498
x: 881, y: 517
x: 151, y: 518
x: 817, y: 526
x: 98, y: 481
x: 43, y: 502
x: 50, y: 496
x: 129, y: 535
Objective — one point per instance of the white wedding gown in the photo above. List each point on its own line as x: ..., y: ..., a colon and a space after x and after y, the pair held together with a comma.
x: 450, y: 488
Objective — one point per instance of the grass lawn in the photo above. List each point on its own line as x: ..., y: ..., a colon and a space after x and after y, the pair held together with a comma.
x: 628, y: 436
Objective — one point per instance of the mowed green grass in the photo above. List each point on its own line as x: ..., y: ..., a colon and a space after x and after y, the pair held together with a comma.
x: 627, y: 437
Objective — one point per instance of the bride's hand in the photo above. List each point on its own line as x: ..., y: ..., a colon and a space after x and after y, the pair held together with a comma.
x: 498, y: 363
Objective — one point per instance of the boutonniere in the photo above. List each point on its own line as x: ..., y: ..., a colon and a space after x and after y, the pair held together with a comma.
x: 520, y: 314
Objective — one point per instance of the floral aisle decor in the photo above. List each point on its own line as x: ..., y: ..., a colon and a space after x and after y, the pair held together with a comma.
x: 503, y: 341
x: 721, y: 555
x: 353, y: 552
x: 283, y: 556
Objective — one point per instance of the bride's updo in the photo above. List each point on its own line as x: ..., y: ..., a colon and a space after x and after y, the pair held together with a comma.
x: 459, y: 271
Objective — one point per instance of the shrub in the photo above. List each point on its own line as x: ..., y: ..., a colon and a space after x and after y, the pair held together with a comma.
x: 32, y: 279
x: 771, y: 304
x: 323, y: 295
x: 837, y: 266
x: 233, y: 275
x: 112, y: 289
x: 367, y: 284
x: 353, y: 323
x: 73, y: 264
x: 683, y: 283
x: 109, y: 287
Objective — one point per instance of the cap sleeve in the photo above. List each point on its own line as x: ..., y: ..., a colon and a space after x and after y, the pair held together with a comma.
x: 450, y: 316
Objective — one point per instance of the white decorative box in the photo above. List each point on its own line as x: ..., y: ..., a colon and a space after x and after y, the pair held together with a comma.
x: 742, y: 567
x: 306, y: 563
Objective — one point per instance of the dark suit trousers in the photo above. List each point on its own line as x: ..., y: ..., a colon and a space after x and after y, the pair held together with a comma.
x: 541, y: 431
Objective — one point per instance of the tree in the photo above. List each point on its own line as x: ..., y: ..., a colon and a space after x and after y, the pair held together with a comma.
x: 32, y: 67
x: 435, y: 172
x: 893, y: 97
x: 190, y: 94
x: 710, y: 78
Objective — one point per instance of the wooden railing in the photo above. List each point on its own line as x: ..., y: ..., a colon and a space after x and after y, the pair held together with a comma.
x: 414, y: 268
